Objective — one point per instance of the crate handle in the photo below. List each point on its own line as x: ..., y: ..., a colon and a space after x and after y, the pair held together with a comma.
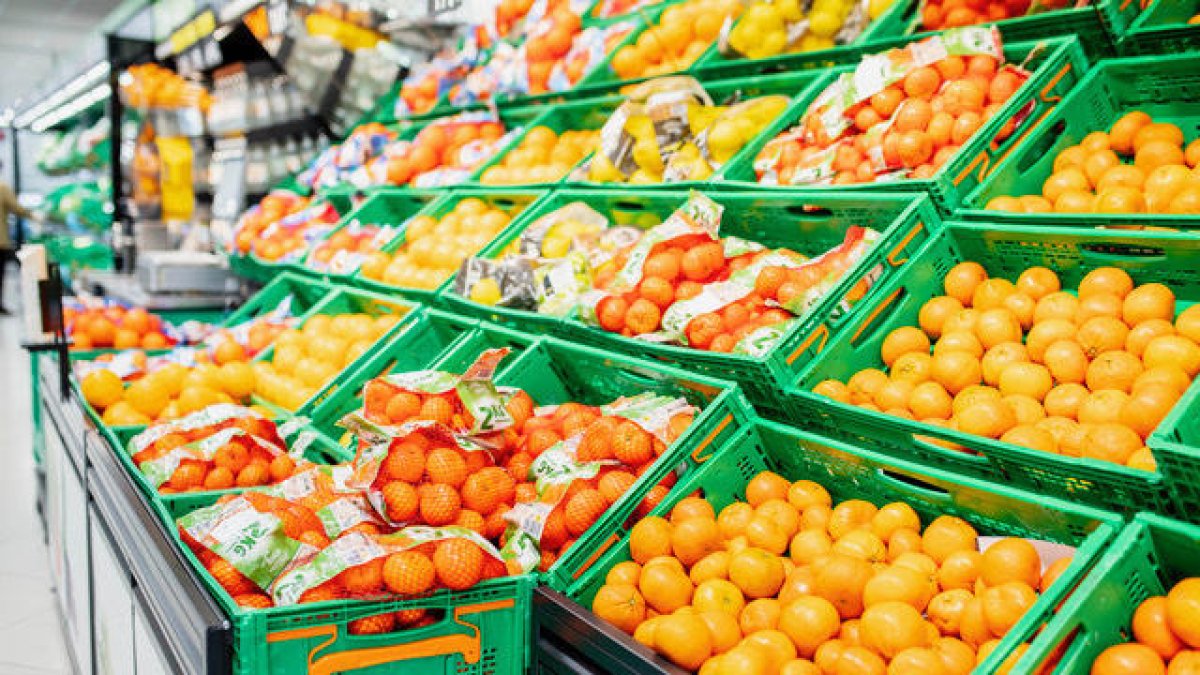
x: 809, y: 211
x: 1107, y: 253
x: 623, y: 205
x: 913, y: 484
x: 878, y: 316
x: 467, y: 644
x: 1041, y: 148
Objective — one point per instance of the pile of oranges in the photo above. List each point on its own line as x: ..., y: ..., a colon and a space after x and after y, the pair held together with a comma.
x: 682, y: 33
x: 1166, y: 636
x: 282, y: 225
x: 167, y: 393
x: 440, y: 145
x: 924, y: 119
x: 788, y: 582
x: 1089, y: 374
x: 421, y: 95
x: 547, y: 42
x: 114, y: 327
x: 434, y: 248
x: 307, y: 358
x: 940, y: 14
x: 1093, y: 177
x: 243, y: 461
x: 542, y: 157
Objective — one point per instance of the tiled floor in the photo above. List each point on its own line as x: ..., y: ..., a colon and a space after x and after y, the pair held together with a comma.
x: 30, y: 637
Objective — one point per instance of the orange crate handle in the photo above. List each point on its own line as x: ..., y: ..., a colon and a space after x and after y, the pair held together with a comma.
x: 467, y: 644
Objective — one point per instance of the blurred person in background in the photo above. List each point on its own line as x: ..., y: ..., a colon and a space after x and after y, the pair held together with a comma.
x: 8, y: 206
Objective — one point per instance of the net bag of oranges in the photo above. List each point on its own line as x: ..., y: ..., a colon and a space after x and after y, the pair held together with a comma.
x: 669, y: 130
x: 348, y: 248
x: 350, y: 160
x: 900, y: 114
x: 282, y: 227
x: 578, y: 478
x: 216, y: 448
x: 940, y: 14
x: 447, y: 151
x: 682, y: 282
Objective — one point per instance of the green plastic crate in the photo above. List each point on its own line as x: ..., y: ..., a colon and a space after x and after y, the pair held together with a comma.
x: 553, y: 372
x: 304, y: 291
x: 1162, y: 28
x: 905, y: 223
x: 894, y: 22
x: 580, y: 115
x: 851, y: 472
x: 1005, y: 252
x: 387, y: 205
x: 591, y: 16
x: 484, y: 630
x: 1148, y: 557
x: 1165, y: 87
x: 796, y: 85
x: 346, y: 300
x: 263, y: 270
x: 420, y: 344
x: 1056, y: 63
x: 320, y: 451
x: 512, y: 200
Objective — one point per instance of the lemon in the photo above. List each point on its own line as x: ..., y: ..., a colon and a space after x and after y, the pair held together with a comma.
x: 603, y: 171
x: 790, y: 10
x: 646, y: 154
x: 643, y: 177
x: 824, y: 24
x: 724, y: 139
x: 487, y: 291
x: 876, y: 8
x: 101, y: 388
x: 556, y: 245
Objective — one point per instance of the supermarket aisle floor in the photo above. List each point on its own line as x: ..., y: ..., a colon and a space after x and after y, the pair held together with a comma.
x: 30, y: 636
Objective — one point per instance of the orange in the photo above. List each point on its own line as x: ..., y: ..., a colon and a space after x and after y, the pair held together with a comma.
x: 957, y: 657
x: 626, y: 572
x: 1163, y: 184
x: 960, y: 340
x: 841, y: 580
x: 892, y: 517
x: 733, y: 519
x: 684, y: 640
x: 1065, y: 399
x: 1183, y: 611
x: 1071, y: 178
x: 1150, y: 627
x: 693, y: 539
x: 987, y: 418
x: 691, y: 507
x: 1185, y: 662
x: 1111, y: 442
x: 1101, y: 334
x: 1157, y: 132
x: 621, y: 605
x: 1170, y: 376
x: 962, y: 279
x: 834, y: 390
x: 649, y: 538
x: 856, y: 660
x: 1026, y: 409
x: 757, y: 573
x: 715, y: 565
x: 917, y: 660
x: 1066, y: 362
x: 1187, y: 201
x: 775, y: 644
x: 646, y: 630
x: 1011, y: 559
x: 809, y: 621
x: 1057, y: 305
x: 1144, y: 332
x: 930, y: 400
x: 1169, y: 351
x: 101, y: 388
x: 956, y: 370
x: 1075, y: 201
x: 767, y: 485
x: 1038, y: 282
x: 1157, y: 153
x: 1005, y: 604
x: 945, y: 535
x: 862, y: 544
x: 1101, y: 406
x: 889, y: 628
x: 1128, y: 659
x: 722, y: 630
x: 1188, y: 323
x: 781, y: 513
x: 665, y: 588
x: 991, y: 293
x: 718, y: 595
x: 1072, y: 156
x: 1125, y: 175
x: 799, y: 667
x: 1001, y: 356
x: 898, y: 584
x: 1147, y: 407
x: 894, y: 395
x: 1098, y: 163
x: 1106, y: 280
x: 946, y: 609
x: 1029, y: 436
x: 1053, y: 571
x: 408, y: 573
x: 1119, y: 199
x: 1148, y: 301
x: 1098, y: 304
x: 763, y: 533
x: 761, y: 614
x: 997, y: 325
x: 962, y: 322
x: 959, y: 570
x: 850, y: 515
x: 901, y: 341
x: 1114, y: 370
x: 1028, y: 379
x: 1124, y: 130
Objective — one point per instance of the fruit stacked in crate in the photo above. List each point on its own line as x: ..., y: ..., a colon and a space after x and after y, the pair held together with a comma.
x: 1089, y: 373
x: 454, y: 482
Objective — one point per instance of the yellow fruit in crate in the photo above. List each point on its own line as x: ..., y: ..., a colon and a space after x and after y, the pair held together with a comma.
x: 101, y: 389
x: 760, y: 33
x: 876, y: 8
x: 172, y: 376
x: 724, y: 140
x: 790, y: 10
x: 486, y: 292
x: 122, y: 414
x: 824, y: 24
x: 147, y: 397
x: 646, y: 154
x: 237, y: 379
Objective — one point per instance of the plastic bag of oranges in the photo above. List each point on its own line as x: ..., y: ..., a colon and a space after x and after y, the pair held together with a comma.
x: 578, y: 478
x: 587, y: 50
x: 348, y: 248
x: 247, y: 541
x: 900, y: 114
x: 216, y: 448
